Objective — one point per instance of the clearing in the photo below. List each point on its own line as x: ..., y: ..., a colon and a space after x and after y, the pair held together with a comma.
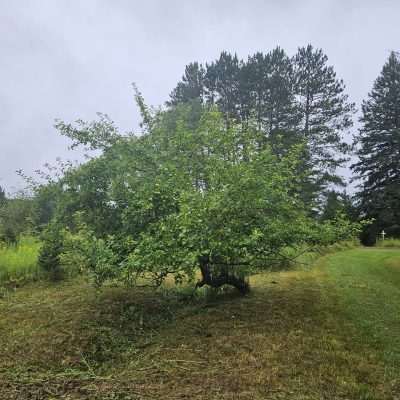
x: 327, y: 332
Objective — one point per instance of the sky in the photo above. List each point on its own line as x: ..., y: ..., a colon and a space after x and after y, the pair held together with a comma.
x: 69, y: 59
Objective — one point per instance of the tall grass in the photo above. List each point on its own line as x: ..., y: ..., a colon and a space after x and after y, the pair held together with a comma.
x: 18, y: 264
x: 389, y: 243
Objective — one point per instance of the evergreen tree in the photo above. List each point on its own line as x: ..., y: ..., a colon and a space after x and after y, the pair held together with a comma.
x: 2, y: 196
x: 338, y: 203
x: 288, y: 100
x: 257, y: 77
x: 378, y: 167
x: 326, y: 112
x: 222, y: 84
x: 275, y: 103
x: 280, y: 111
x: 190, y: 87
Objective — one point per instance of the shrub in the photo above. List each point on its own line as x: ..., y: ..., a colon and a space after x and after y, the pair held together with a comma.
x: 51, y: 250
x: 83, y: 252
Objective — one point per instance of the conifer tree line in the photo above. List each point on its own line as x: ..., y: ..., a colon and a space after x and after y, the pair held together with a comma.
x: 299, y: 99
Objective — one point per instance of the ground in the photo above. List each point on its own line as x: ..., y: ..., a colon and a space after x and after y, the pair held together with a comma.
x: 330, y: 331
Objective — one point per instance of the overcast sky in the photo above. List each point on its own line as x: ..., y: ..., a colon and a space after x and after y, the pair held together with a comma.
x: 69, y: 59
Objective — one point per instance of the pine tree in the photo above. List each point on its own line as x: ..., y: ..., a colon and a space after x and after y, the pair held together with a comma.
x: 326, y: 112
x: 378, y: 151
x: 2, y: 196
x: 281, y: 112
x: 190, y: 87
x: 289, y: 100
x: 222, y: 84
x: 271, y: 87
x: 338, y: 203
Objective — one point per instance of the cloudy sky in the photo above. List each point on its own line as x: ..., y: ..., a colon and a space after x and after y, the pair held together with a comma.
x: 69, y: 59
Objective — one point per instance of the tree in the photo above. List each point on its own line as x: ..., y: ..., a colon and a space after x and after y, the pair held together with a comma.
x: 326, y: 113
x: 15, y: 218
x: 190, y: 194
x: 290, y: 101
x: 51, y: 250
x: 228, y: 216
x: 378, y: 151
x: 339, y: 203
x: 3, y: 197
x: 272, y: 94
x: 191, y: 87
x: 222, y: 85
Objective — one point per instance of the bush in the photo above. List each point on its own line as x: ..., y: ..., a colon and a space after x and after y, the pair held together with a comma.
x: 15, y: 219
x: 184, y: 198
x: 9, y: 237
x: 51, y: 250
x: 83, y: 252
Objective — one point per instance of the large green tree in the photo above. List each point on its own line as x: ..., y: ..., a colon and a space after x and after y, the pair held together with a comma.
x: 2, y: 196
x: 188, y: 195
x: 191, y: 86
x: 15, y: 217
x: 325, y: 110
x: 222, y: 81
x: 378, y: 151
x: 288, y: 100
x: 271, y: 79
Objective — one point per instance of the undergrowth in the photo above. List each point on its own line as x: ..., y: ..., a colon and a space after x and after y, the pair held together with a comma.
x: 389, y: 243
x: 18, y: 263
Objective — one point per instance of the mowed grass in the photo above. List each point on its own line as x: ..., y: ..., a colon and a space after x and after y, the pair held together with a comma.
x: 367, y: 283
x: 330, y: 332
x: 18, y: 263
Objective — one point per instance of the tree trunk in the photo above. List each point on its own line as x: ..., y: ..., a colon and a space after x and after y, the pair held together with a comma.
x: 223, y: 275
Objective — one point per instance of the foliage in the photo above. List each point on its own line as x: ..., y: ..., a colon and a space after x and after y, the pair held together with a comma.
x: 337, y: 202
x: 45, y: 189
x: 378, y: 151
x: 288, y: 100
x: 50, y: 252
x: 3, y: 197
x: 192, y: 194
x: 191, y: 87
x: 18, y: 264
x: 326, y: 113
x: 83, y: 252
x: 95, y: 135
x: 15, y: 218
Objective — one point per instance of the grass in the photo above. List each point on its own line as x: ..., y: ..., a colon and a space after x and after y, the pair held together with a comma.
x: 367, y: 282
x: 18, y: 263
x: 330, y: 332
x: 389, y: 243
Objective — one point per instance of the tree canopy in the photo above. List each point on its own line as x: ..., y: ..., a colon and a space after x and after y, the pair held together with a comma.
x: 290, y: 100
x: 378, y: 151
x: 192, y: 193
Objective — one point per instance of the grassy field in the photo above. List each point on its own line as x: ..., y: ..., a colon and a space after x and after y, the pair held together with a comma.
x: 328, y: 332
x: 18, y: 264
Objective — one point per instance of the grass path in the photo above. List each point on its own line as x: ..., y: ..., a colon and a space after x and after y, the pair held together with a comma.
x: 368, y: 284
x: 330, y: 332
